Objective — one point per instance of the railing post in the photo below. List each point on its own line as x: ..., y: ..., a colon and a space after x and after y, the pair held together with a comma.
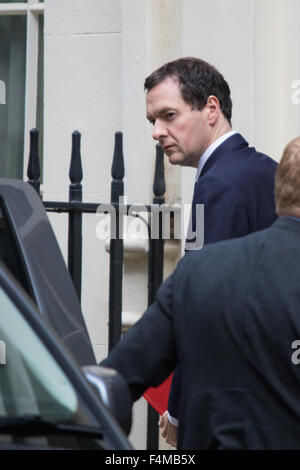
x: 33, y: 168
x: 116, y: 246
x: 75, y: 216
x: 155, y: 276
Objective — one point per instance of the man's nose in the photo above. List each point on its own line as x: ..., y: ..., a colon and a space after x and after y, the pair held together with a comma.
x: 159, y: 130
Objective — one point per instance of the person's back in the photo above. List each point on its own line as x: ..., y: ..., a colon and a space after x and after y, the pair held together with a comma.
x: 241, y: 387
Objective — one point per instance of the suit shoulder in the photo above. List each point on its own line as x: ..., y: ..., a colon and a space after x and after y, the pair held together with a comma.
x: 240, y: 171
x: 226, y: 252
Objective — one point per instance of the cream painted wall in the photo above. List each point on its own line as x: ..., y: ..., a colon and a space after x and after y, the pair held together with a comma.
x: 276, y: 66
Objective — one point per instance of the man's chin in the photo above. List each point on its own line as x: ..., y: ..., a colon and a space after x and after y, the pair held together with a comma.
x: 175, y: 159
x: 182, y: 160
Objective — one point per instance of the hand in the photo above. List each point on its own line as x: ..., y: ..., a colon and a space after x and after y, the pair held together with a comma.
x: 169, y: 431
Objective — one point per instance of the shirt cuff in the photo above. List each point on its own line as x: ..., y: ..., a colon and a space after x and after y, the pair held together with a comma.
x: 172, y: 420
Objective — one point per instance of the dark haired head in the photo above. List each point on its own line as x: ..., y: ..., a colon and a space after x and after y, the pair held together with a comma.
x: 197, y: 81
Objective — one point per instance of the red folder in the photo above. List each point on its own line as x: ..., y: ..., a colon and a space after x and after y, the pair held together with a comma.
x: 158, y: 397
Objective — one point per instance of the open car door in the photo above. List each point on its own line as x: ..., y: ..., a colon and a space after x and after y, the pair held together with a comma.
x: 29, y: 249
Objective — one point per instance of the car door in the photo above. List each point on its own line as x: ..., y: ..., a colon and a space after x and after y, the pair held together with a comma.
x: 45, y: 400
x: 29, y: 249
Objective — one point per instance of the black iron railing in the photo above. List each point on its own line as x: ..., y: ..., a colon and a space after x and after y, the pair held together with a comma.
x: 75, y: 208
x: 116, y: 247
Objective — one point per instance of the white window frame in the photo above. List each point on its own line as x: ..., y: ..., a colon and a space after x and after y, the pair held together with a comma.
x: 32, y: 9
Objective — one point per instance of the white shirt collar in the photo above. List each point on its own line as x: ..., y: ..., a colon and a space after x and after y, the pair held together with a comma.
x: 204, y: 157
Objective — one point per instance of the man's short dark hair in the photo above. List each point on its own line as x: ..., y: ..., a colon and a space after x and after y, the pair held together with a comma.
x: 197, y: 81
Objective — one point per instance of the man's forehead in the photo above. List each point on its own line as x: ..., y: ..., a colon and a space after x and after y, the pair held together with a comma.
x: 164, y: 95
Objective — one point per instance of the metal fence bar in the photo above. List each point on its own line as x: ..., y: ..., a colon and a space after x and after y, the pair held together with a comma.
x: 155, y: 277
x: 75, y: 216
x: 91, y: 207
x: 116, y: 246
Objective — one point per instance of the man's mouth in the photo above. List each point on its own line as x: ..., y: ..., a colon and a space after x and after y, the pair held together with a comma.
x: 168, y: 147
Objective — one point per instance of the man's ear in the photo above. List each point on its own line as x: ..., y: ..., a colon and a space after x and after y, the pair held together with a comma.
x: 213, y: 109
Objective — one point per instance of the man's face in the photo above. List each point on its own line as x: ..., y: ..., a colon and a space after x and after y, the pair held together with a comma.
x: 183, y: 133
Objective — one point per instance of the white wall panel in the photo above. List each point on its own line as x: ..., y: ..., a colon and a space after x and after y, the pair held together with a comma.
x: 82, y: 91
x: 82, y: 16
x: 276, y: 67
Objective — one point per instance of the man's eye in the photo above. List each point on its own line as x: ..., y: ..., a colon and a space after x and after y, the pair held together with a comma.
x: 170, y: 115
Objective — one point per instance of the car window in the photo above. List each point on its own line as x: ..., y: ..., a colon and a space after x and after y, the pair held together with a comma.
x: 30, y: 380
x: 39, y: 406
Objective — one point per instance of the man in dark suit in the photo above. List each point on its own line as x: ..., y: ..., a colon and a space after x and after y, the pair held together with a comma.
x: 228, y: 316
x: 188, y: 102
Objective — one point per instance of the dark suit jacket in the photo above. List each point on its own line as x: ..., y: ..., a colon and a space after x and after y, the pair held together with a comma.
x: 237, y: 187
x: 228, y: 316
